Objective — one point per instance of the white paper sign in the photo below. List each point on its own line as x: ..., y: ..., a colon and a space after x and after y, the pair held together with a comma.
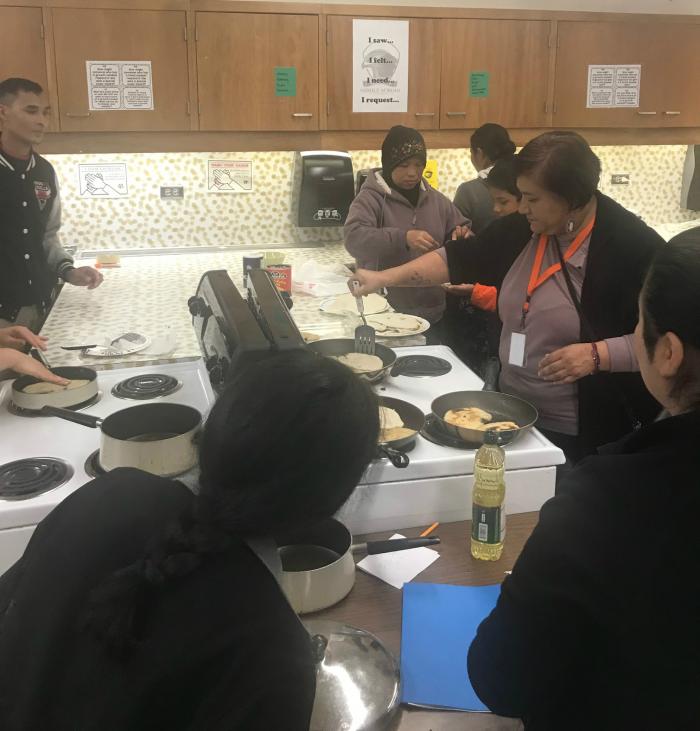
x: 612, y: 87
x: 379, y: 65
x: 103, y: 181
x: 119, y: 85
x: 230, y: 176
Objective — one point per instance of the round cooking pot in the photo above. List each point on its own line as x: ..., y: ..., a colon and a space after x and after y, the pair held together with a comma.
x: 65, y: 398
x: 156, y: 438
x: 318, y: 567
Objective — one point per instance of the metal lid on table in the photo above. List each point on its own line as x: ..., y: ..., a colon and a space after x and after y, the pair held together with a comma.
x: 357, y: 678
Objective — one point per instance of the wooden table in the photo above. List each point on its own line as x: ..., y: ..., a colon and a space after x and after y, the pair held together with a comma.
x: 375, y: 606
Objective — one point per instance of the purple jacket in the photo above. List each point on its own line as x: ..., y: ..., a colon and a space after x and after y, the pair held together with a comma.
x: 375, y: 234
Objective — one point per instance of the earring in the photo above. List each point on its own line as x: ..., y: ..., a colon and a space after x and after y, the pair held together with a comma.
x: 570, y: 226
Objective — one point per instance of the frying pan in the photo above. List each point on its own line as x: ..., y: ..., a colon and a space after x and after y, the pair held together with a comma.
x: 502, y: 407
x: 64, y: 398
x: 318, y: 568
x: 343, y: 346
x: 155, y: 438
x: 413, y: 418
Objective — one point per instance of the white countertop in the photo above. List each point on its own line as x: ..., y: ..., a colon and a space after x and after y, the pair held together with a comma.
x: 148, y: 294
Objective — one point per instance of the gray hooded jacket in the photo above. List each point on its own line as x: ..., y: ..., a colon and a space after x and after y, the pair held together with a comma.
x: 375, y: 234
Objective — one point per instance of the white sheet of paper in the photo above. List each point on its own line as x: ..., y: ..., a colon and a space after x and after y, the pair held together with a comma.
x: 516, y: 355
x: 400, y: 567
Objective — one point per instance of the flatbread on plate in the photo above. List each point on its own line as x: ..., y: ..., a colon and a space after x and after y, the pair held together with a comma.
x: 345, y: 303
x: 396, y: 323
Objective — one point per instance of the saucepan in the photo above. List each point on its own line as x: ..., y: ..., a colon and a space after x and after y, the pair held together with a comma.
x: 156, y: 438
x: 413, y: 418
x: 62, y: 398
x: 318, y: 565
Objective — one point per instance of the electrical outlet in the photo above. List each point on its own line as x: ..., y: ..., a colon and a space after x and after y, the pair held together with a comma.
x: 620, y: 179
x: 172, y: 192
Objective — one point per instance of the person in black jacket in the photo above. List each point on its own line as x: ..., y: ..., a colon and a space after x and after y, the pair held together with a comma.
x: 138, y: 606
x: 598, y: 626
x: 31, y: 256
x: 566, y: 340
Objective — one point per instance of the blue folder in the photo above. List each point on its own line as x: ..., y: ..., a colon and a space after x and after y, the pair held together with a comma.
x: 439, y: 622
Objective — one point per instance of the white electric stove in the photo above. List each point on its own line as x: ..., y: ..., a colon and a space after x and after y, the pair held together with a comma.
x: 41, y: 437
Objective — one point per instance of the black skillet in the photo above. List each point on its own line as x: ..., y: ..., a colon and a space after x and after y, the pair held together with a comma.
x: 413, y: 418
x: 501, y: 406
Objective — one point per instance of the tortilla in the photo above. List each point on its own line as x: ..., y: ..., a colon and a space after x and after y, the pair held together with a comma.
x: 389, y: 419
x: 472, y: 417
x: 44, y: 387
x: 398, y: 432
x: 310, y: 337
x: 469, y: 417
x: 395, y: 323
x: 346, y: 303
x: 361, y: 362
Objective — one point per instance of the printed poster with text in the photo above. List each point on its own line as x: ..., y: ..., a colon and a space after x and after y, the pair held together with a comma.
x: 119, y: 85
x: 379, y: 65
x: 229, y: 176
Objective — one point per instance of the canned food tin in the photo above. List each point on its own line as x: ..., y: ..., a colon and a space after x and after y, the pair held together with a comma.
x: 281, y: 275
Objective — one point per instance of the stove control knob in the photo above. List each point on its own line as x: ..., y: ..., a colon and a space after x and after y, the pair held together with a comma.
x: 198, y: 307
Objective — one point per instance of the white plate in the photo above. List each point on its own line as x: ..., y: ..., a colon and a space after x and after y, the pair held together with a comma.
x: 344, y: 304
x: 424, y: 325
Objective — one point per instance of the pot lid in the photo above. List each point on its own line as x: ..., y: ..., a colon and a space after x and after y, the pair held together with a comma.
x: 357, y: 678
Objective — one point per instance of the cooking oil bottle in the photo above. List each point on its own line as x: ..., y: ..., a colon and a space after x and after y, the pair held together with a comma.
x: 488, y: 498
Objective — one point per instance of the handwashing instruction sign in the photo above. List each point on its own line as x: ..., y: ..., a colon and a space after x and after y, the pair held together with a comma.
x: 613, y: 87
x: 103, y: 181
x: 119, y: 85
x: 229, y: 176
x: 379, y: 65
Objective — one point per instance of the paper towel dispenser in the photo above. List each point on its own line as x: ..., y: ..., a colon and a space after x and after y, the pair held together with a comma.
x: 690, y: 187
x: 323, y: 188
x: 360, y: 178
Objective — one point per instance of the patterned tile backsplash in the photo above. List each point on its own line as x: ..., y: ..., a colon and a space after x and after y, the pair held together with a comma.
x: 265, y: 217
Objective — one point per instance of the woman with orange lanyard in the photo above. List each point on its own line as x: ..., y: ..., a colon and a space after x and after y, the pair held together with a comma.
x: 566, y: 341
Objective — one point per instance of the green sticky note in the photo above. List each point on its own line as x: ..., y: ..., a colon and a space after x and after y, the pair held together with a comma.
x: 479, y: 83
x: 285, y: 81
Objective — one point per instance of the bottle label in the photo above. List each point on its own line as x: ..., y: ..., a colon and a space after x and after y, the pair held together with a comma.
x: 488, y: 524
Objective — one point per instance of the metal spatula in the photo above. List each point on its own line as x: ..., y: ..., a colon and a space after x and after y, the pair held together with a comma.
x: 364, y: 334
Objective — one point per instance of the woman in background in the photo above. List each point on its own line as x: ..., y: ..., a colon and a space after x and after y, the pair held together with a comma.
x: 489, y: 144
x: 138, y: 605
x: 598, y: 626
x: 397, y: 216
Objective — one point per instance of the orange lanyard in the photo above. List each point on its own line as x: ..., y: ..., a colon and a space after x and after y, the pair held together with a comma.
x: 537, y: 279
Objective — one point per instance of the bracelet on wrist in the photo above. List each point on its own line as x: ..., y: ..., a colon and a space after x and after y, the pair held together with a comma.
x: 596, y: 357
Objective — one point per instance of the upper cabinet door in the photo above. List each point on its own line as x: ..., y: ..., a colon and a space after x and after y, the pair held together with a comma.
x: 607, y: 43
x: 257, y: 71
x: 494, y: 71
x: 22, y: 50
x: 680, y: 95
x: 423, y: 78
x: 157, y: 36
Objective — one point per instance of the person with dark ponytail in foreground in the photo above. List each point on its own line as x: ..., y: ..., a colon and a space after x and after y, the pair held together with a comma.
x: 598, y: 626
x: 138, y: 606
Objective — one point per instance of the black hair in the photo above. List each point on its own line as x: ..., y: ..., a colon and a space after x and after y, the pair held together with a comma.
x: 670, y: 302
x: 493, y: 140
x: 502, y: 176
x: 285, y: 445
x: 9, y: 88
x: 562, y: 163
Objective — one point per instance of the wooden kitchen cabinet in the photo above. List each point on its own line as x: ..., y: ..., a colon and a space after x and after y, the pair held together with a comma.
x: 669, y: 54
x: 157, y: 36
x: 22, y: 51
x: 423, y: 78
x: 514, y: 54
x: 243, y: 63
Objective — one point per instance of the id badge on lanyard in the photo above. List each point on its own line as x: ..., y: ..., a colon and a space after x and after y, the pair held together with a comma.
x: 516, y: 353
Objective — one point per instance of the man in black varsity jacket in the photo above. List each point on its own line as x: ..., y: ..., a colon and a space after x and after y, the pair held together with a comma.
x: 31, y: 256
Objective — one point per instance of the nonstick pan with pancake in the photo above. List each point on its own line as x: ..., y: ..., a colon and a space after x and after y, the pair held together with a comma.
x: 413, y: 418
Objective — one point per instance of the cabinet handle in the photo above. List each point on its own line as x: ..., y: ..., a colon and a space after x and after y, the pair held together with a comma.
x: 646, y: 114
x: 672, y: 114
x: 302, y: 114
x: 77, y: 116
x: 425, y: 114
x: 456, y: 114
